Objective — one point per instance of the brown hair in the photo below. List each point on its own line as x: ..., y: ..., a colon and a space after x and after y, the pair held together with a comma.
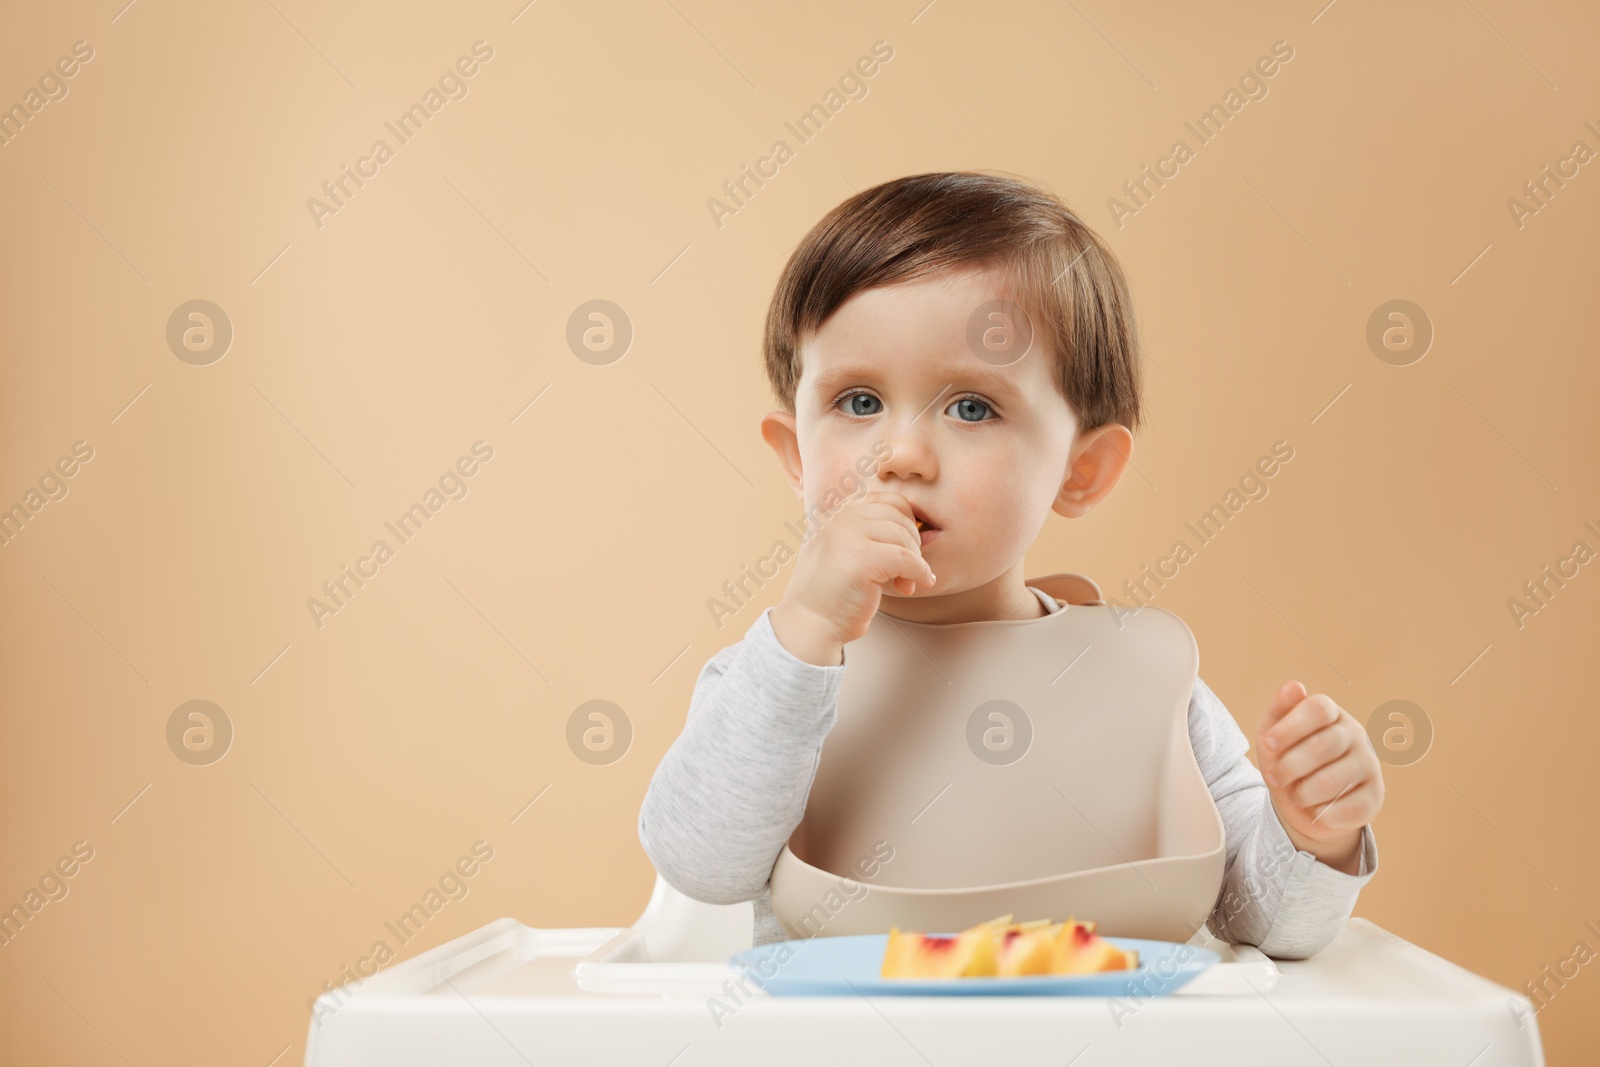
x: 1054, y: 265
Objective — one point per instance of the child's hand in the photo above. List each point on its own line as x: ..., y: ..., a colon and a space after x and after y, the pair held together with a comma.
x: 1325, y: 778
x: 841, y: 573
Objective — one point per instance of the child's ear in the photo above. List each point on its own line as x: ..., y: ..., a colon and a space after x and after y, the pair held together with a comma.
x: 1095, y: 465
x: 778, y: 428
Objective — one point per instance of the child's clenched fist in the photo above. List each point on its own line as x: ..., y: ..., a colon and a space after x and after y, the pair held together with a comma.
x: 1325, y: 777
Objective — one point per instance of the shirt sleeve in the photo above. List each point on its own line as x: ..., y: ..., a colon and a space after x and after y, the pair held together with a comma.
x: 1283, y: 900
x: 731, y: 789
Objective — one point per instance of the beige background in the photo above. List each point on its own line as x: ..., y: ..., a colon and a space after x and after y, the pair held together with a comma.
x: 425, y: 315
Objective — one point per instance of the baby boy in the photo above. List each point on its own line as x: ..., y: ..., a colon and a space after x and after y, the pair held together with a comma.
x: 881, y: 345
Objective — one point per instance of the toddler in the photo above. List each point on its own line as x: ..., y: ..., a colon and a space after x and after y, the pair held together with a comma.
x: 881, y: 349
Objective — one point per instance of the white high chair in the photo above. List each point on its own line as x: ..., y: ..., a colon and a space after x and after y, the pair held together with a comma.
x: 678, y: 927
x: 512, y: 994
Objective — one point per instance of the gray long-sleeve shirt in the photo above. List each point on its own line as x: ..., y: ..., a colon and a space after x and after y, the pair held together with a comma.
x: 732, y: 788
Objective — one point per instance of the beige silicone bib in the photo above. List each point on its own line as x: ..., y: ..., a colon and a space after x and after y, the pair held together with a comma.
x: 1040, y: 767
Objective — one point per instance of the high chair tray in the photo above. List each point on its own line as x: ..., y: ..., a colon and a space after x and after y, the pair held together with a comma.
x: 508, y: 994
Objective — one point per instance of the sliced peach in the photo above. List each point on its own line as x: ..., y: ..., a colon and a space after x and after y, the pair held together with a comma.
x: 1030, y: 951
x: 1079, y: 950
x: 972, y: 953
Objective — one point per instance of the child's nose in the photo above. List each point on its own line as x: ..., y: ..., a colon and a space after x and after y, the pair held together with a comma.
x: 911, y: 453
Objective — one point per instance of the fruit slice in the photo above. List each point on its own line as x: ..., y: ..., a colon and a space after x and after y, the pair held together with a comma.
x: 1079, y: 950
x: 1030, y: 951
x: 970, y: 954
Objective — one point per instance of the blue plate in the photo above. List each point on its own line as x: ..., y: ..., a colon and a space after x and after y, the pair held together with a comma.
x: 847, y: 966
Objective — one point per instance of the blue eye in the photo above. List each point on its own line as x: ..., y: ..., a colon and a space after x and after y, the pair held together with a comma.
x: 853, y: 409
x: 971, y: 403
